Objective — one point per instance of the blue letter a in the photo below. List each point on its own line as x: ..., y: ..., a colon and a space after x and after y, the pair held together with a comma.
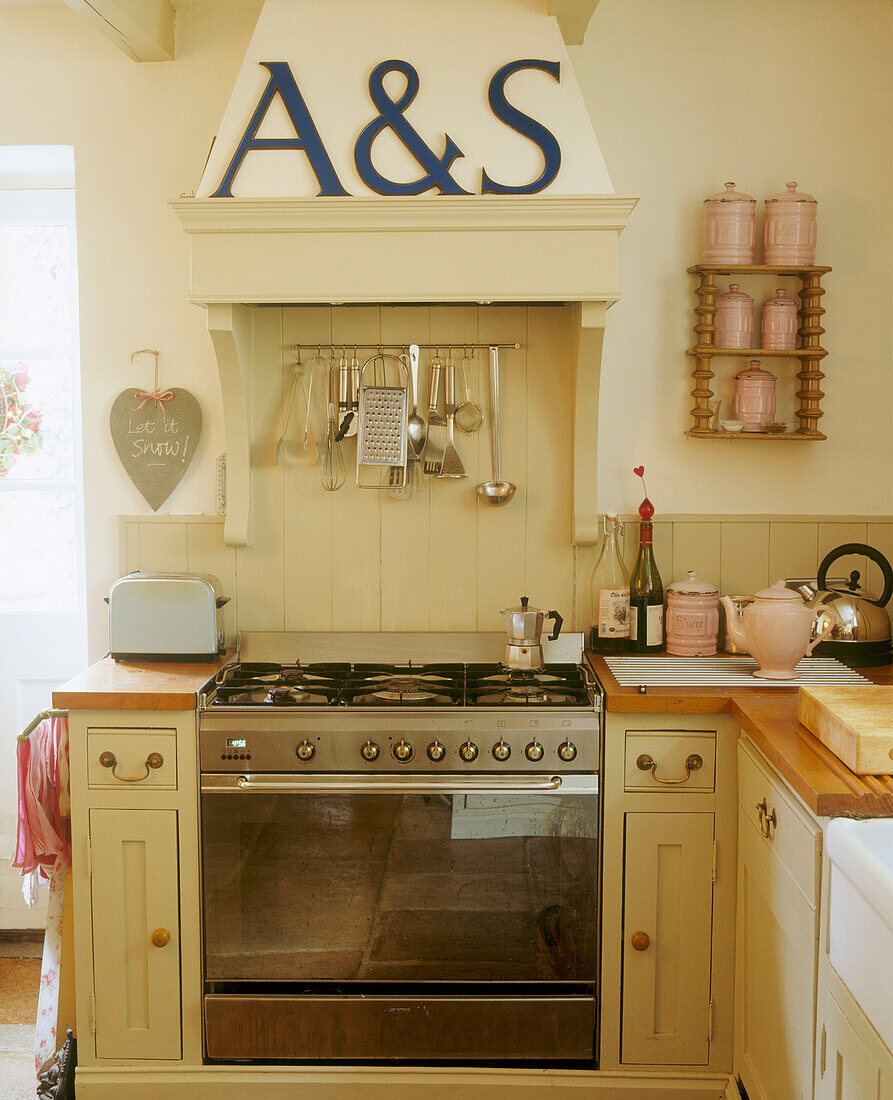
x: 308, y: 139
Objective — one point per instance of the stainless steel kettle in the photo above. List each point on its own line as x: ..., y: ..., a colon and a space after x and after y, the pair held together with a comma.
x: 860, y: 633
x: 524, y: 626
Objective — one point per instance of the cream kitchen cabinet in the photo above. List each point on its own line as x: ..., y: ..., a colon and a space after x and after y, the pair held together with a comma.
x: 852, y: 1062
x: 779, y: 875
x: 135, y: 876
x: 668, y: 911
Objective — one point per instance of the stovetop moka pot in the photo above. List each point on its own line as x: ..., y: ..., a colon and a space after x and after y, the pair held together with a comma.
x: 524, y: 626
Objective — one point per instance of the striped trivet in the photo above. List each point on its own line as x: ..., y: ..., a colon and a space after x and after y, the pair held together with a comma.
x: 634, y: 670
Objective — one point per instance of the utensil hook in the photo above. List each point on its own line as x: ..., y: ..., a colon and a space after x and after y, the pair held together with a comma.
x: 148, y: 351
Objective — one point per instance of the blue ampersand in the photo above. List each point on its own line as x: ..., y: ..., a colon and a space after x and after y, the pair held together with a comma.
x: 390, y: 114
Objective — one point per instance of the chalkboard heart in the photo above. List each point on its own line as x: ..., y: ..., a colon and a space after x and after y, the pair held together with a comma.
x: 156, y: 438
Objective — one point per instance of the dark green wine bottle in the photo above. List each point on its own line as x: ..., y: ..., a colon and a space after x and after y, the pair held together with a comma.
x: 646, y: 598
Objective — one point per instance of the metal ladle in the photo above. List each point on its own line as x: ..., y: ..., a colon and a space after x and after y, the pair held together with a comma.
x: 497, y: 491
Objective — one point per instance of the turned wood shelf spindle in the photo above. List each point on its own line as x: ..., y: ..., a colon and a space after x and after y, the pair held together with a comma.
x: 809, y: 354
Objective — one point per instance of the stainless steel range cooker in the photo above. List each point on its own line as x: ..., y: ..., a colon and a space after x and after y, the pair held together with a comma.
x: 400, y: 851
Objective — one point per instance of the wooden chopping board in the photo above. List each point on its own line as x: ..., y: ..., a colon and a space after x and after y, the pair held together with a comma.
x: 855, y: 723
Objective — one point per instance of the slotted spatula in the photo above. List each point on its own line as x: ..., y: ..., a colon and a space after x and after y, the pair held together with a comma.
x: 452, y: 463
x: 437, y: 426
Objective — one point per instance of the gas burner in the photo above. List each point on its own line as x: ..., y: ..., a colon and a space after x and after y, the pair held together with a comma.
x: 251, y: 685
x: 555, y: 685
x: 404, y: 685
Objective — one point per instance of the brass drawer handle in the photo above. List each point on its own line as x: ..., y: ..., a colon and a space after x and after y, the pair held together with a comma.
x: 768, y: 821
x: 153, y: 760
x: 161, y: 937
x: 645, y: 763
x: 640, y: 941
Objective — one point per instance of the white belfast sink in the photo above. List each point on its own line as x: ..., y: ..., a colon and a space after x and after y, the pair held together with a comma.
x: 860, y: 925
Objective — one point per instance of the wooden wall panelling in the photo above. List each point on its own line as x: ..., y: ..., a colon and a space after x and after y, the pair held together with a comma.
x: 356, y: 513
x: 406, y: 584
x: 307, y: 508
x: 206, y: 552
x: 793, y: 550
x: 259, y: 576
x: 163, y: 547
x: 880, y: 536
x: 836, y: 534
x: 697, y: 546
x: 550, y: 557
x: 128, y: 545
x: 453, y: 533
x: 744, y: 558
x: 502, y: 531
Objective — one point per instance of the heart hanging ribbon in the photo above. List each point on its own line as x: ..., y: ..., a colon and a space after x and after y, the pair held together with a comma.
x: 158, y: 397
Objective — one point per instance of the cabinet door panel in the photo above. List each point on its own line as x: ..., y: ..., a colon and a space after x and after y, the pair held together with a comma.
x: 775, y: 975
x: 847, y: 1069
x: 134, y: 892
x: 668, y: 894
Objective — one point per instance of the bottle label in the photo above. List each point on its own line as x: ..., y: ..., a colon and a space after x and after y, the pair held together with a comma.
x: 613, y: 612
x: 655, y: 624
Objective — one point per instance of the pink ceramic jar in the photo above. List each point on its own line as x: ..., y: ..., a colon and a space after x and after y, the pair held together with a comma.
x: 728, y: 227
x: 692, y: 617
x: 734, y: 319
x: 789, y: 231
x: 754, y: 397
x: 779, y: 323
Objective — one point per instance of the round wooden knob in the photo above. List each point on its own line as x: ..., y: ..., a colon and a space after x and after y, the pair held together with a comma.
x: 640, y: 941
x: 161, y: 937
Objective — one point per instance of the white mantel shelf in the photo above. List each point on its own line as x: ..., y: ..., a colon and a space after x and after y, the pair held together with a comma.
x: 422, y: 250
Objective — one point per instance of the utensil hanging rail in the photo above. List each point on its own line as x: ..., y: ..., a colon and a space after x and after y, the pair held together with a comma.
x: 399, y: 347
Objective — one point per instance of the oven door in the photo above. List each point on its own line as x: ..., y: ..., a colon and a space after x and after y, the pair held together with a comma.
x: 370, y: 917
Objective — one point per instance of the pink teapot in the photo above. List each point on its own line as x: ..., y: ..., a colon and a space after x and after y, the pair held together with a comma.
x: 775, y: 629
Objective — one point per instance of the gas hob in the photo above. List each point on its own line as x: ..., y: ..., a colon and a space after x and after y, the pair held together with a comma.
x: 338, y: 703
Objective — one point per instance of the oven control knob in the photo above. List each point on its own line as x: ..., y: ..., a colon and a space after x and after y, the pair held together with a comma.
x: 402, y: 751
x: 468, y: 751
x: 370, y: 751
x: 305, y: 751
x: 436, y: 751
x: 534, y: 751
x: 567, y: 751
x: 501, y: 750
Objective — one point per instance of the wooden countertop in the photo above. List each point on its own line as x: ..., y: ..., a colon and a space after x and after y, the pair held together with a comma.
x: 136, y: 685
x: 825, y: 784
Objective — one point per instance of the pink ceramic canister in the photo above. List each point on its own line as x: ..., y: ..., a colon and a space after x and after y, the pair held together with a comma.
x: 779, y: 323
x: 789, y: 231
x: 734, y: 319
x: 692, y: 617
x: 754, y: 397
x: 728, y: 227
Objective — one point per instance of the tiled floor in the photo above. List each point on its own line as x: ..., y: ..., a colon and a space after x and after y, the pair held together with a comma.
x: 19, y: 977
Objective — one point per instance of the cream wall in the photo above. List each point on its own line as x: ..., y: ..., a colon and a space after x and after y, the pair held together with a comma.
x: 690, y: 93
x: 677, y: 111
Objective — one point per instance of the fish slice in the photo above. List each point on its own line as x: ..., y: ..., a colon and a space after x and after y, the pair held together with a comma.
x: 452, y: 463
x: 437, y: 425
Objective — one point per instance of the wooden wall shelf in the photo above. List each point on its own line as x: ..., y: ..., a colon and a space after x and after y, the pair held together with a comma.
x: 810, y: 353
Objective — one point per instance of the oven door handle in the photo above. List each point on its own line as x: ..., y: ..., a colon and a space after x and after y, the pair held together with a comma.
x: 373, y: 784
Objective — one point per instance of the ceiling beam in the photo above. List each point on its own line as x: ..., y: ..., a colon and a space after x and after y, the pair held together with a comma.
x: 143, y: 29
x: 573, y: 18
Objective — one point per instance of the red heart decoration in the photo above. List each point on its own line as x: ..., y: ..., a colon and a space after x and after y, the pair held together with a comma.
x: 638, y: 470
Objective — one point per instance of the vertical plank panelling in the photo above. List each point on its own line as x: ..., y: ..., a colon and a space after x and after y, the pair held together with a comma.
x: 744, y: 564
x: 502, y: 532
x: 356, y: 514
x: 696, y: 546
x: 584, y: 564
x: 129, y: 550
x: 880, y: 536
x: 549, y: 488
x: 663, y: 543
x: 405, y: 563
x: 259, y: 575
x: 307, y: 508
x: 832, y: 535
x: 163, y: 547
x: 453, y: 536
x: 793, y: 550
x: 207, y: 553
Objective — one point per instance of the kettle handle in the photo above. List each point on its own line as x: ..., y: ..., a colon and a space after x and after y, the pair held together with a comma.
x: 558, y: 624
x: 869, y: 552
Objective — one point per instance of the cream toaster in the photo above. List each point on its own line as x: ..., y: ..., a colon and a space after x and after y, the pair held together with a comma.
x: 166, y: 617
